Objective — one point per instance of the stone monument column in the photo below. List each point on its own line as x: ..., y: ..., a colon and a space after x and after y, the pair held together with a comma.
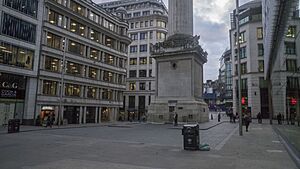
x: 179, y: 70
x: 180, y: 17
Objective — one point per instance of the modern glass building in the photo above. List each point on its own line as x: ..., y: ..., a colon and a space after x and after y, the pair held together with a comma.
x: 20, y: 32
x: 84, y: 49
x: 147, y: 25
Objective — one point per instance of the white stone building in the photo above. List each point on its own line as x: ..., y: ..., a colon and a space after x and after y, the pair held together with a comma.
x: 20, y: 32
x: 85, y: 48
x: 147, y: 25
x: 254, y: 88
x: 281, y: 22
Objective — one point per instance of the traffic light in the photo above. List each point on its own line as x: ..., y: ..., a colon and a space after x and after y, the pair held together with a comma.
x: 293, y: 101
x: 244, y: 100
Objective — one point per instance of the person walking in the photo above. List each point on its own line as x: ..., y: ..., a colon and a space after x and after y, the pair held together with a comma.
x: 247, y: 120
x: 259, y: 118
x: 219, y: 117
x: 175, y: 119
x: 234, y: 117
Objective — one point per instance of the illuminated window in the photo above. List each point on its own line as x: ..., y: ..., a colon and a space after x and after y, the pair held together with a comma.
x: 76, y: 48
x: 261, y: 66
x: 77, y: 8
x: 95, y: 36
x: 91, y: 92
x: 92, y: 73
x: 49, y: 87
x: 53, y: 41
x: 94, y: 54
x: 259, y: 33
x: 74, y: 68
x: 291, y: 33
x: 72, y: 90
x: 133, y: 61
x: 77, y: 28
x: 52, y: 64
x: 143, y: 61
x: 56, y: 19
x: 16, y: 56
x: 132, y: 86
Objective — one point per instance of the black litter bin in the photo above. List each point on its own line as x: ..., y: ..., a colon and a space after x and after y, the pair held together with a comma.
x: 191, y: 137
x: 13, y: 126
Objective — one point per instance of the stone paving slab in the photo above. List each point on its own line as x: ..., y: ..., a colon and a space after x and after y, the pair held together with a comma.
x: 84, y: 164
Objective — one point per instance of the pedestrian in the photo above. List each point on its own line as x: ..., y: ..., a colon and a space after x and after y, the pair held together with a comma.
x: 279, y: 118
x: 211, y: 116
x: 219, y: 117
x: 234, y: 117
x: 231, y: 117
x: 52, y: 119
x: 298, y: 119
x: 247, y: 120
x: 259, y: 118
x: 175, y: 119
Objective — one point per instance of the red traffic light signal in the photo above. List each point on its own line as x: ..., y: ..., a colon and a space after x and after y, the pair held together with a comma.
x: 293, y: 101
x: 244, y: 100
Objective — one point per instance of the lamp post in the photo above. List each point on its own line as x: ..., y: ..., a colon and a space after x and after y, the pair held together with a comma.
x: 62, y: 86
x: 239, y: 69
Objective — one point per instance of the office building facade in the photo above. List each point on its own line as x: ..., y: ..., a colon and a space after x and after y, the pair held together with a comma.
x: 147, y: 26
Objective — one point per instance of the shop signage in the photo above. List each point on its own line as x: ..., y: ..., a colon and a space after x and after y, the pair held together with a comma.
x: 9, y: 85
x: 8, y: 93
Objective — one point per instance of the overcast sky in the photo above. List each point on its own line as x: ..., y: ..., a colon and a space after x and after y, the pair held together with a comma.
x: 211, y: 22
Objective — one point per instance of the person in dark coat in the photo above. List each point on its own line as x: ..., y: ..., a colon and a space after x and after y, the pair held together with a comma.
x: 247, y: 119
x: 279, y: 118
x: 259, y: 118
x: 219, y: 117
x: 234, y: 117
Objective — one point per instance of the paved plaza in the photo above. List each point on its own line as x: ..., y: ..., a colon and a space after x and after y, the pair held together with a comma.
x: 143, y: 146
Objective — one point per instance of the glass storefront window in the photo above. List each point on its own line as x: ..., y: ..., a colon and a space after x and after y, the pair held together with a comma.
x: 72, y: 90
x: 49, y: 88
x: 18, y: 28
x: 28, y: 7
x: 77, y: 28
x: 16, y: 56
x: 53, y: 41
x: 91, y: 93
x: 74, y: 69
x: 76, y: 48
x: 92, y: 73
x: 51, y: 64
x: 77, y: 8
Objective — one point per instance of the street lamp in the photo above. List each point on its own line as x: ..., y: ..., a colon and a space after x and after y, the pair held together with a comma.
x: 62, y: 86
x: 239, y: 69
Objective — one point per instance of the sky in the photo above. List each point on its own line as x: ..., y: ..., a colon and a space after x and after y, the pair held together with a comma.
x: 212, y: 23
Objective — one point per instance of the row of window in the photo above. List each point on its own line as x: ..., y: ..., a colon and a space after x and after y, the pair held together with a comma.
x: 16, y: 56
x: 82, y: 30
x: 143, y: 13
x: 81, y: 10
x: 54, y: 65
x: 143, y: 61
x: 51, y: 88
x: 145, y: 35
x: 244, y: 67
x: 28, y: 7
x: 142, y: 73
x: 142, y: 86
x: 146, y: 24
x: 134, y: 48
x: 18, y: 28
x: 55, y: 41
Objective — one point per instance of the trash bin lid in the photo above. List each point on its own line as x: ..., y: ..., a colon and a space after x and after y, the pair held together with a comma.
x: 190, y: 125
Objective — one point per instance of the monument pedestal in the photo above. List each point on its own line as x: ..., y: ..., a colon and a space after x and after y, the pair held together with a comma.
x: 188, y: 111
x: 179, y: 81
